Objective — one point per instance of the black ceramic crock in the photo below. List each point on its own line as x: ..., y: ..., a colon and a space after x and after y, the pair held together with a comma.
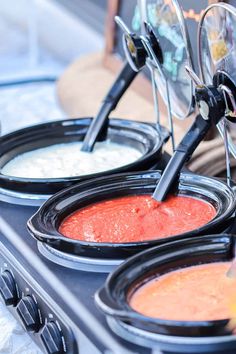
x: 113, y: 298
x: 45, y: 223
x: 142, y: 136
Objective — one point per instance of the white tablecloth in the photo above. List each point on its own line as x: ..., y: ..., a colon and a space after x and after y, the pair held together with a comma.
x: 13, y: 338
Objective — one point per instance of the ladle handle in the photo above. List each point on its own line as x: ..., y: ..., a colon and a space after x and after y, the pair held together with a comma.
x: 182, y: 154
x: 124, y: 79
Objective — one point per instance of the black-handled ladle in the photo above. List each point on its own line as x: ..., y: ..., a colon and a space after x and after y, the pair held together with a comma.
x: 212, y: 108
x: 136, y: 58
x: 109, y: 103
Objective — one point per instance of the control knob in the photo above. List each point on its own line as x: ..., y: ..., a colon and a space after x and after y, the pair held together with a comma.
x: 8, y: 289
x: 28, y: 312
x: 52, y: 339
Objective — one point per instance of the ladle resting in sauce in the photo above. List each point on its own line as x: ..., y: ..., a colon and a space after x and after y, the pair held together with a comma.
x: 136, y: 218
x: 197, y: 293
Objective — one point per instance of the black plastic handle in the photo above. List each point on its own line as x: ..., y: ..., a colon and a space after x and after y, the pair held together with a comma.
x: 99, y: 123
x: 182, y: 154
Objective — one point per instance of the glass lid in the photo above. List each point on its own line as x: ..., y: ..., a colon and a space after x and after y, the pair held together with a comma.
x: 217, y: 42
x: 217, y: 59
x: 167, y: 21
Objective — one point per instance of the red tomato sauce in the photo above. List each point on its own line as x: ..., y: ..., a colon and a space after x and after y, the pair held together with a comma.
x: 136, y: 218
x: 197, y: 293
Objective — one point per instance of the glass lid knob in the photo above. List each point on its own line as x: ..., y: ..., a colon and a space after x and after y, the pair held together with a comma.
x: 133, y: 47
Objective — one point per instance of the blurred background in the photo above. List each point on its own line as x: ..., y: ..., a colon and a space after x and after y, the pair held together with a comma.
x: 69, y: 45
x: 38, y: 40
x: 44, y: 36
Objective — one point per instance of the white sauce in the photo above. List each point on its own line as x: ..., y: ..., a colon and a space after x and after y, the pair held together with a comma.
x: 66, y: 160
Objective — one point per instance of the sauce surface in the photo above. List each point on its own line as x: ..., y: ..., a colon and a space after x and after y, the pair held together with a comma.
x: 136, y: 218
x: 197, y: 293
x: 66, y: 160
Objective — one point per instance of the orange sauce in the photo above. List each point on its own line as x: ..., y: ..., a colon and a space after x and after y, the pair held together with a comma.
x: 197, y: 293
x: 136, y: 218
